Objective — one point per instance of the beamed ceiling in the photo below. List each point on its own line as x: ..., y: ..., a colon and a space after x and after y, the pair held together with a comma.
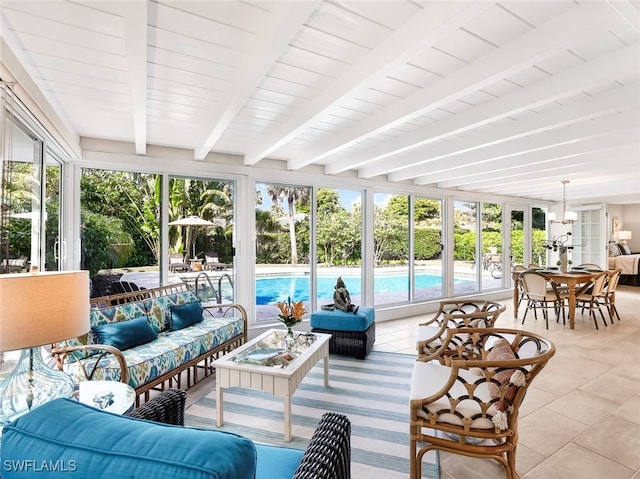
x: 506, y: 98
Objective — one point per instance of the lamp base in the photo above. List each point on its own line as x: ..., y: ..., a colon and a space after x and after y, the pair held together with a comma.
x: 31, y: 384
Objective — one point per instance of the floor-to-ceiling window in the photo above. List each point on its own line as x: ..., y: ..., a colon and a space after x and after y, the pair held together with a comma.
x: 338, y: 243
x: 465, y: 249
x: 31, y: 187
x: 391, y: 249
x: 120, y: 227
x: 120, y: 230
x: 427, y: 249
x: 55, y: 245
x: 492, y: 251
x: 282, y: 247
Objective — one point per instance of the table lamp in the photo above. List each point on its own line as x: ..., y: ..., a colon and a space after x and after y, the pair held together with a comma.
x: 623, y: 236
x: 38, y: 309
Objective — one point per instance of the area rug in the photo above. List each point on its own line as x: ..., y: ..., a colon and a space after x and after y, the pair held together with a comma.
x: 373, y: 393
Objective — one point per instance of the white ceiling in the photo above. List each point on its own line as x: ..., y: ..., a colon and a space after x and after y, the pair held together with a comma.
x: 498, y: 97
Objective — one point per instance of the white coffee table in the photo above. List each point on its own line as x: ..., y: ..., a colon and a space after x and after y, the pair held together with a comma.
x: 112, y: 396
x: 232, y: 371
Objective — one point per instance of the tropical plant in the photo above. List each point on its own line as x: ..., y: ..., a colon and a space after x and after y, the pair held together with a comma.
x: 292, y: 194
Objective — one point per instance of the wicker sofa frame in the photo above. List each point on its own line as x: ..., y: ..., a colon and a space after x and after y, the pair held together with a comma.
x: 328, y: 455
x: 184, y: 376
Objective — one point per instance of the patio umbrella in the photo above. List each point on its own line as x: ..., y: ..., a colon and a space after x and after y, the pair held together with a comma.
x: 195, y: 221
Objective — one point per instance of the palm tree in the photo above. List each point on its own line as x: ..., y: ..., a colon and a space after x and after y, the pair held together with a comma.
x: 292, y: 194
x: 205, y: 199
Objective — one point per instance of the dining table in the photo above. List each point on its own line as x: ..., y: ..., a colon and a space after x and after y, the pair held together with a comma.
x: 570, y: 279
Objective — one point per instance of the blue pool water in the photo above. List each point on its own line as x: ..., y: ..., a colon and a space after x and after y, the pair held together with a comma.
x: 270, y: 290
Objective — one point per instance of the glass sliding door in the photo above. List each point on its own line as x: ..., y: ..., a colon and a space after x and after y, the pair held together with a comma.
x: 282, y: 247
x: 54, y: 245
x: 201, y: 216
x: 466, y: 258
x: 427, y: 249
x: 391, y: 243
x: 517, y: 238
x: 492, y: 251
x: 119, y: 228
x: 538, y: 236
x: 20, y: 230
x: 338, y: 243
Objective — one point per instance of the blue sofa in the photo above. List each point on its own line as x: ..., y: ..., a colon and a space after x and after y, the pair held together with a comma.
x: 64, y: 437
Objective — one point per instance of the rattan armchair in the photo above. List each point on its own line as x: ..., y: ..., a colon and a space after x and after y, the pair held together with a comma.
x: 456, y: 314
x: 467, y: 401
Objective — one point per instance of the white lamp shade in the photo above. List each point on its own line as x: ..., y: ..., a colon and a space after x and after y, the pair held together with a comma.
x: 571, y: 216
x: 551, y: 216
x: 42, y: 308
x: 624, y: 235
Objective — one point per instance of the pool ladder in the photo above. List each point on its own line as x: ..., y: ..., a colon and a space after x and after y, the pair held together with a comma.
x: 217, y: 292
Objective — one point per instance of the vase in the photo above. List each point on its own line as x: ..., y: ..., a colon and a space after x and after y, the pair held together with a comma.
x: 289, y: 338
x: 564, y: 261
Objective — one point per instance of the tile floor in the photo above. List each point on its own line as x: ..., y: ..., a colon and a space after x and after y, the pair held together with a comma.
x: 581, y: 416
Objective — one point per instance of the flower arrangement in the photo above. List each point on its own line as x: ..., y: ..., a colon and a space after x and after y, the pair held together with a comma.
x: 291, y: 312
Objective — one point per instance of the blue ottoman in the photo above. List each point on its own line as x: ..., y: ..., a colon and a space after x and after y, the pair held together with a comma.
x: 351, y: 334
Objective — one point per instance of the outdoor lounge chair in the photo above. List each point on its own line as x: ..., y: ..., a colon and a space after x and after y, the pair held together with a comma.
x: 212, y: 262
x: 177, y: 263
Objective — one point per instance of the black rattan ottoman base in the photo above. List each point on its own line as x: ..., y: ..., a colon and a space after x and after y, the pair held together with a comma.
x: 351, y: 343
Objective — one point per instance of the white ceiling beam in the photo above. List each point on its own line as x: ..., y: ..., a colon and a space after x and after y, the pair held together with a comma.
x: 434, y: 23
x: 627, y: 11
x: 271, y: 39
x: 587, y: 158
x: 581, y: 164
x: 443, y: 167
x: 584, y: 76
x: 546, y: 182
x: 563, y: 153
x: 524, y: 51
x: 593, y: 107
x: 135, y: 35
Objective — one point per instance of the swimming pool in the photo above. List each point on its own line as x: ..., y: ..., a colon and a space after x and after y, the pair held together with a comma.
x: 272, y: 289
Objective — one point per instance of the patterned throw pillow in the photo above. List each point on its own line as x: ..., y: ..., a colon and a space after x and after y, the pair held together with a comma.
x: 624, y: 248
x: 614, y: 250
x: 501, y: 351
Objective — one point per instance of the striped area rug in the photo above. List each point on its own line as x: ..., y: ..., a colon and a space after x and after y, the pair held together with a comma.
x: 373, y: 393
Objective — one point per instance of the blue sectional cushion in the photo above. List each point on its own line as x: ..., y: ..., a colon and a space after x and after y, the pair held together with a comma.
x: 338, y: 320
x: 87, y: 443
x: 183, y: 315
x: 277, y: 462
x: 125, y: 334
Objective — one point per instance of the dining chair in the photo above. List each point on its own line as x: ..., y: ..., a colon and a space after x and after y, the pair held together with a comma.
x: 591, y: 294
x: 534, y: 266
x: 519, y: 268
x: 541, y: 293
x: 610, y: 294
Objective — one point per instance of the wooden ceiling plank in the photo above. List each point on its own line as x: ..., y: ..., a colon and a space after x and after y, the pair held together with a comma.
x: 522, y: 52
x: 435, y: 22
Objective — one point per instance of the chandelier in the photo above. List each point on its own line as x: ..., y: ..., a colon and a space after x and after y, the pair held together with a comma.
x: 568, y: 217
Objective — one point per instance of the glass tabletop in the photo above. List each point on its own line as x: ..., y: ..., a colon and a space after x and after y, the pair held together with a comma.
x: 272, y: 350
